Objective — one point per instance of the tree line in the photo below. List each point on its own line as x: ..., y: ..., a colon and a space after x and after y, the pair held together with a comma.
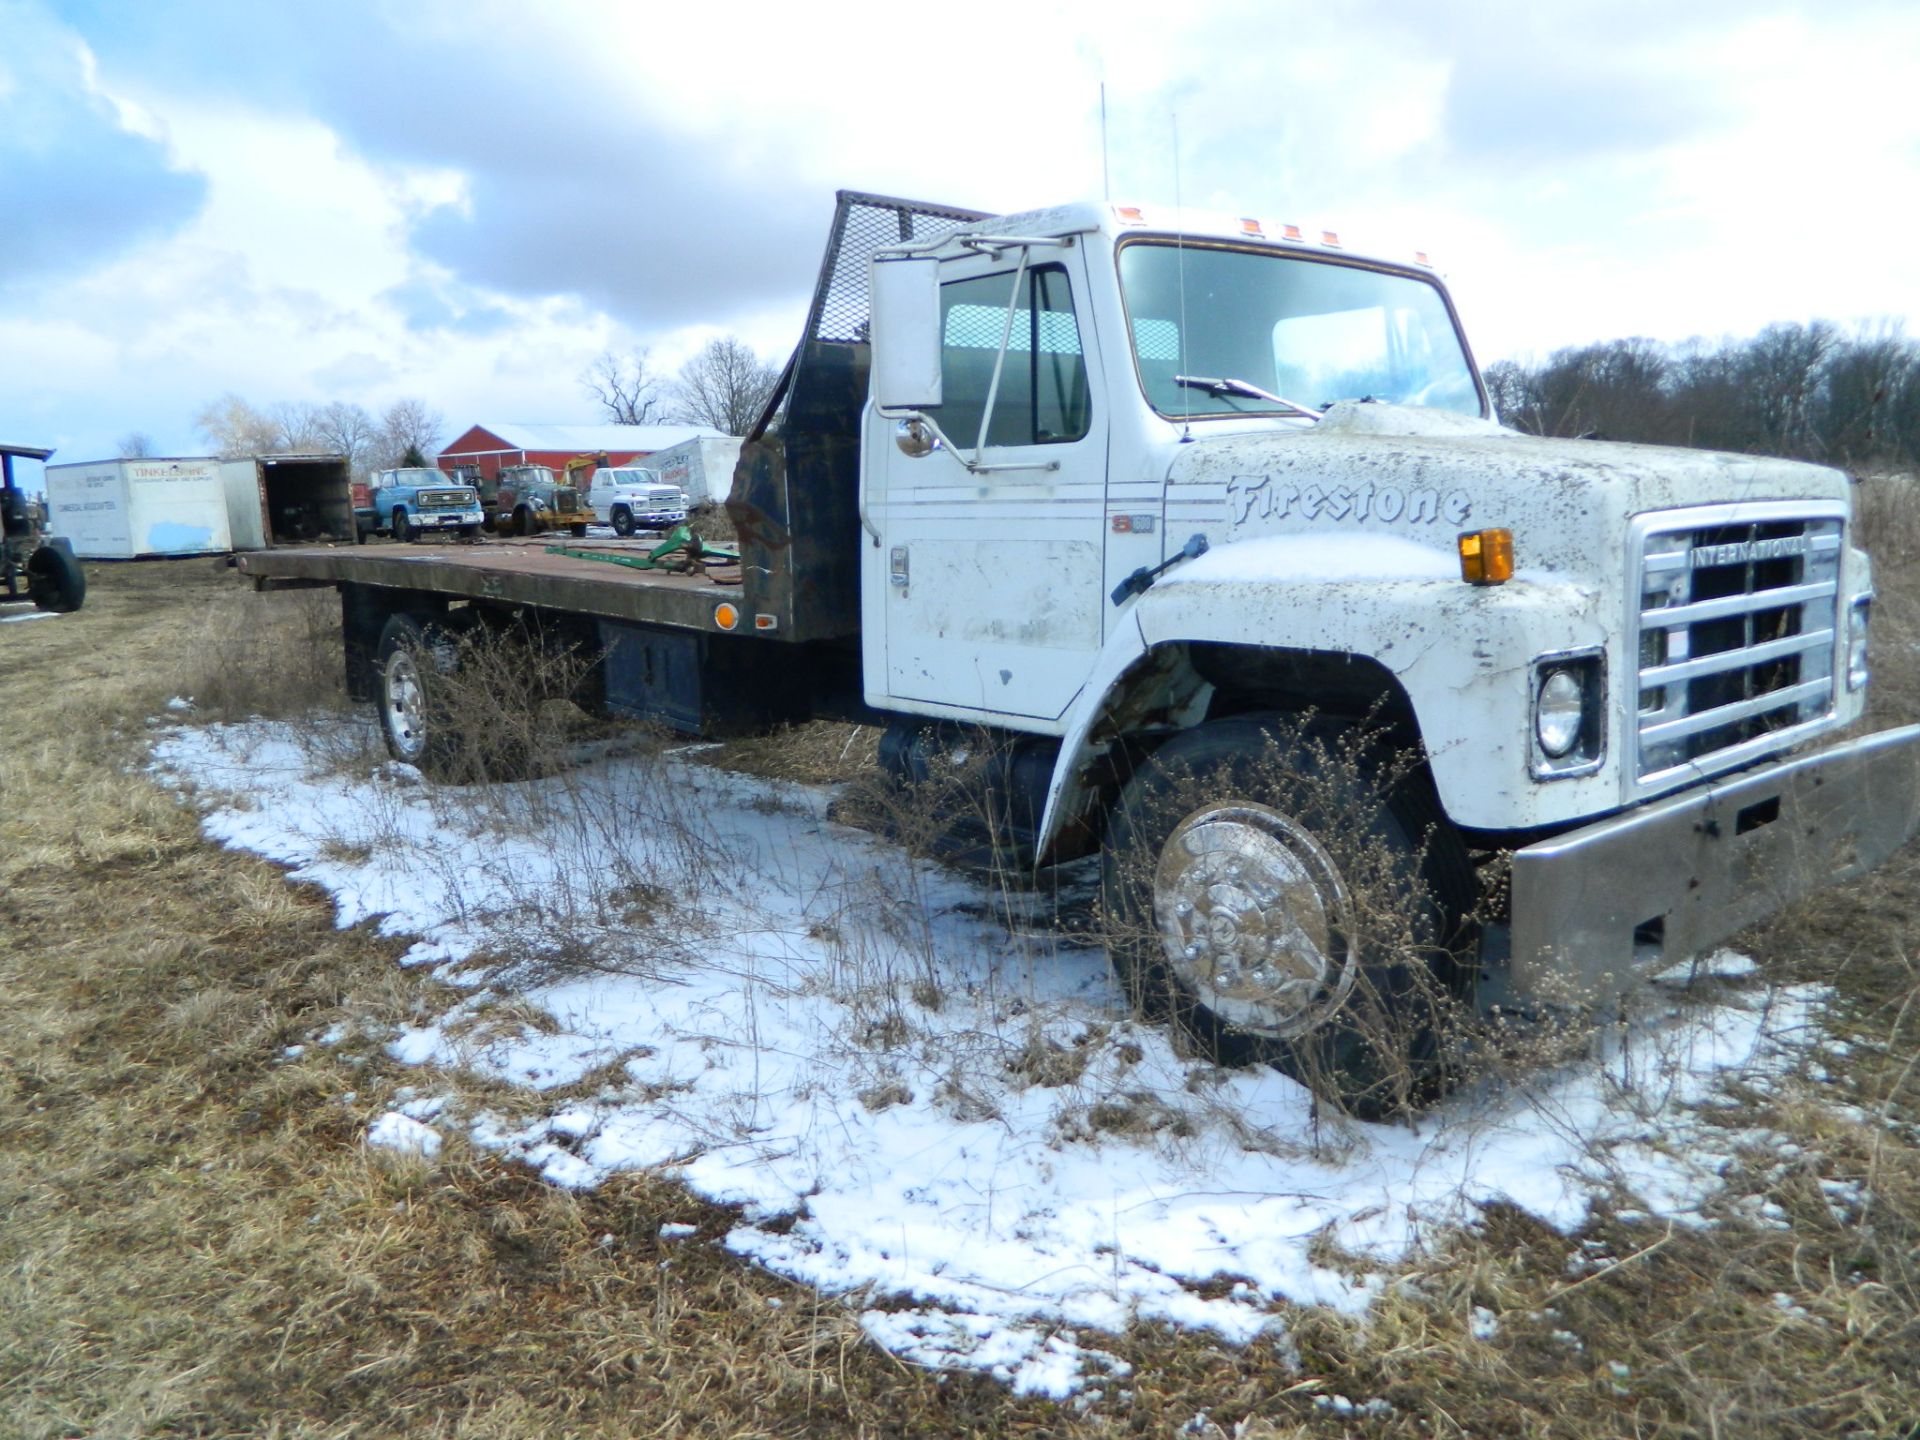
x: 406, y: 431
x: 1815, y: 391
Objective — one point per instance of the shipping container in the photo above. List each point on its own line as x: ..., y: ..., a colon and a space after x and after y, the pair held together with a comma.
x: 120, y: 509
x: 287, y: 499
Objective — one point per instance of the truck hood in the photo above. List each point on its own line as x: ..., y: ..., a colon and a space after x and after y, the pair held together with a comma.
x: 1423, y: 476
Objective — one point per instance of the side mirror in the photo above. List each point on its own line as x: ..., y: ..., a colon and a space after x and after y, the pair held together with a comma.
x: 905, y: 333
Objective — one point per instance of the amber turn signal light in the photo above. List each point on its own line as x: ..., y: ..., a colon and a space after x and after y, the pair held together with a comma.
x: 1486, y: 557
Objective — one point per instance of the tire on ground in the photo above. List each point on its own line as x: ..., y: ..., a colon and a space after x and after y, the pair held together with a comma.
x: 436, y: 713
x: 403, y: 529
x: 55, y: 582
x: 622, y: 520
x: 1281, y: 895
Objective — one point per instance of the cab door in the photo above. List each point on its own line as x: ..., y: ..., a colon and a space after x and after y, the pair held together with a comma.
x: 985, y: 578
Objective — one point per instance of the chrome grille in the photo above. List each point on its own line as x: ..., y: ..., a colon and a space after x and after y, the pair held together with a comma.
x: 1735, y: 630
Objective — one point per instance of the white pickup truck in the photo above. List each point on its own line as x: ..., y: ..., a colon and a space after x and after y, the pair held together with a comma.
x: 633, y: 497
x: 1114, y: 499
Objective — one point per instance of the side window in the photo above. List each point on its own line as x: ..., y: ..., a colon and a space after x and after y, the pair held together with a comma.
x: 1043, y: 396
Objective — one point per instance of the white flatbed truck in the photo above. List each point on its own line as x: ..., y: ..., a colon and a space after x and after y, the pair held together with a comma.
x: 1134, y: 493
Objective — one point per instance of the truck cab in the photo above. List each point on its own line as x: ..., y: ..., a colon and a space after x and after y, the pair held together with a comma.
x: 1140, y: 491
x: 532, y: 499
x: 632, y: 497
x: 411, y: 501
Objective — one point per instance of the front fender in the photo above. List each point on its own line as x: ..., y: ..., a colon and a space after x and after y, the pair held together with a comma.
x: 1463, y: 654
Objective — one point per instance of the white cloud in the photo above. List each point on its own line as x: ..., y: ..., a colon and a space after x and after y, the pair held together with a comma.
x: 468, y: 202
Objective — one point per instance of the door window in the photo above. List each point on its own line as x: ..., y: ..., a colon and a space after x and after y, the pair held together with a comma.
x: 1043, y: 398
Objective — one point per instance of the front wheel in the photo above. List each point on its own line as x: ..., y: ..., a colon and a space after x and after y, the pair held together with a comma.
x: 403, y: 529
x: 1285, y: 893
x: 622, y: 521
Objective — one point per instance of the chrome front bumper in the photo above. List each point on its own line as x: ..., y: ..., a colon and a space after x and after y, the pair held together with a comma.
x: 1597, y: 907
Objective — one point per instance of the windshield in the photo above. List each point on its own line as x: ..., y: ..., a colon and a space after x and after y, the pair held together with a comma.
x: 1311, y: 331
x: 417, y: 476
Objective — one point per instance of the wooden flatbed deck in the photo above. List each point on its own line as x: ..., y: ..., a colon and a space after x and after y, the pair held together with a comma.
x: 512, y: 571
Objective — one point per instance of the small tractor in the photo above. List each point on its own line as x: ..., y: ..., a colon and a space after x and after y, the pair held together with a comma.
x: 53, y: 578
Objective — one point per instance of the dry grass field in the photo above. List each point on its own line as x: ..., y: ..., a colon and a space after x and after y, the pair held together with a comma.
x: 196, y: 1241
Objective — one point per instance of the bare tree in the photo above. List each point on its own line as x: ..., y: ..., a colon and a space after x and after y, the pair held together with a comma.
x: 726, y: 386
x: 296, y: 426
x: 135, y: 445
x: 410, y: 423
x: 626, y: 387
x: 347, y: 429
x: 236, y: 428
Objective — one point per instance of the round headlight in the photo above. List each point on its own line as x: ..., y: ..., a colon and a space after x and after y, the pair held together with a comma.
x: 1557, y: 713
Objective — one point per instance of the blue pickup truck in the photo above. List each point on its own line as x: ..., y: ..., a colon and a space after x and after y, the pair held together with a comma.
x: 411, y: 502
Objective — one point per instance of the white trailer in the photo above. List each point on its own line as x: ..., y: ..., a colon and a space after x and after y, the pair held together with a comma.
x: 120, y: 509
x: 287, y: 499
x: 701, y: 467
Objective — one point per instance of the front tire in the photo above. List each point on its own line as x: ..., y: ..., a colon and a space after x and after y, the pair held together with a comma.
x: 1281, y: 895
x: 403, y: 529
x: 622, y: 521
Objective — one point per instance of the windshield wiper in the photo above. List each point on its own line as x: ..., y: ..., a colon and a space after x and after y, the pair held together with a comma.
x: 1228, y: 385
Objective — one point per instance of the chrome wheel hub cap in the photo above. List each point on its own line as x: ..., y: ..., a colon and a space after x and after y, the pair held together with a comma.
x: 403, y: 706
x: 1251, y: 911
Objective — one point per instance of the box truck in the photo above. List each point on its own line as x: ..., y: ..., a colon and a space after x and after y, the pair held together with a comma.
x: 122, y: 509
x: 287, y: 499
x: 701, y: 468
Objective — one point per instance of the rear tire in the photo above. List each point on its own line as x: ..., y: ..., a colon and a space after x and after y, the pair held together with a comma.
x: 622, y: 521
x: 579, y: 532
x: 1230, y: 877
x: 55, y: 582
x: 425, y: 713
x: 413, y: 662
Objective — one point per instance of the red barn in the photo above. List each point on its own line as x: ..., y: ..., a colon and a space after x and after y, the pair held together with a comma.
x: 485, y: 448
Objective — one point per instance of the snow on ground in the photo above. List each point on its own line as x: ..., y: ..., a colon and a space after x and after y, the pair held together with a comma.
x: 19, y: 615
x: 947, y: 1117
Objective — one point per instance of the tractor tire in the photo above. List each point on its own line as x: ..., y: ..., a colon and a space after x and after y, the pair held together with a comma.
x: 55, y: 582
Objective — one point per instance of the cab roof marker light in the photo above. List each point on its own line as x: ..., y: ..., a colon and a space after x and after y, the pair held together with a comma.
x: 1129, y: 215
x: 1291, y: 232
x: 1420, y: 258
x: 1329, y: 237
x: 1252, y: 227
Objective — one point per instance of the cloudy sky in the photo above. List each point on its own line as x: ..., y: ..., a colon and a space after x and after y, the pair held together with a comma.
x: 466, y: 202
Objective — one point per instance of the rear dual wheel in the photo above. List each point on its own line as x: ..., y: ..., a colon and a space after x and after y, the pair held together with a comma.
x: 1281, y: 896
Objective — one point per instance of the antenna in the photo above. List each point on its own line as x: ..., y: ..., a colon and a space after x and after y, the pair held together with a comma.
x: 1106, y: 180
x: 1180, y: 262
